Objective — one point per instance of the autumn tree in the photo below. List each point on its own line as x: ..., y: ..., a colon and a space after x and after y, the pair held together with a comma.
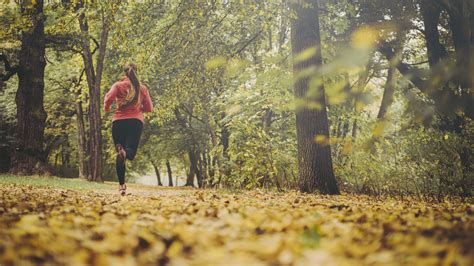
x: 94, y: 80
x: 314, y: 159
x: 27, y: 156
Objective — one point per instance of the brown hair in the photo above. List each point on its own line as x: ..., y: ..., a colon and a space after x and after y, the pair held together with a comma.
x: 130, y: 70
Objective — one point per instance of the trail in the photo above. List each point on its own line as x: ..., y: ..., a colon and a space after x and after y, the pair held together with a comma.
x: 150, y: 191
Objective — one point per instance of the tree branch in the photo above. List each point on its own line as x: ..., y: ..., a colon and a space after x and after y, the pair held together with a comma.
x: 10, y: 70
x: 446, y: 101
x: 247, y: 43
x: 63, y: 42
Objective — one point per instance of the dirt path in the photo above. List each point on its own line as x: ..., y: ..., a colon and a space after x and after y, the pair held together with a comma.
x: 150, y: 191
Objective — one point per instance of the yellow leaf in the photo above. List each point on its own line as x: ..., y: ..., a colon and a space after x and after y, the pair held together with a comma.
x: 321, y: 139
x: 216, y: 62
x: 379, y: 128
x: 306, y: 54
x: 347, y: 148
x: 365, y: 38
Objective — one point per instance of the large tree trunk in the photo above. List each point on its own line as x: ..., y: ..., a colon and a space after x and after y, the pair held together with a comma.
x: 448, y: 101
x: 94, y: 78
x: 81, y: 140
x: 28, y: 153
x: 314, y: 160
x: 460, y: 24
x: 170, y: 176
x: 472, y: 45
x: 431, y: 12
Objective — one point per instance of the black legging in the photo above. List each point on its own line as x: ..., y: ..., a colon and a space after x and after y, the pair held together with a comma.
x: 127, y: 133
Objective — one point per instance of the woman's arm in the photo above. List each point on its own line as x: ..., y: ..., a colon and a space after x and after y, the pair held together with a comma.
x: 147, y: 104
x: 110, y: 97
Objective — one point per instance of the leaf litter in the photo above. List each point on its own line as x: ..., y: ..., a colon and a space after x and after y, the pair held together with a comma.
x: 202, y: 227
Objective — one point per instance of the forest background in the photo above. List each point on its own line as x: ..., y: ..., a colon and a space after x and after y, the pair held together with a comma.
x: 398, y: 79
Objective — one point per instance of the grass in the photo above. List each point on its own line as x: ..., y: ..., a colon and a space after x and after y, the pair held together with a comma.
x: 55, y: 182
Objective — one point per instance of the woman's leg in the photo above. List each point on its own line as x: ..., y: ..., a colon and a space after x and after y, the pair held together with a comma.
x: 134, y: 131
x: 119, y: 135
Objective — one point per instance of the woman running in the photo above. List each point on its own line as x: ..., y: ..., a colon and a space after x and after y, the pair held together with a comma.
x: 132, y: 99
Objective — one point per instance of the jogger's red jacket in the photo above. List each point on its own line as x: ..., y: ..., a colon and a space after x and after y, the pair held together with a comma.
x: 120, y: 92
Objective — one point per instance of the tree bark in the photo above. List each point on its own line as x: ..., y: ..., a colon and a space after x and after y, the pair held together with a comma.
x: 27, y: 157
x: 314, y: 160
x: 170, y: 176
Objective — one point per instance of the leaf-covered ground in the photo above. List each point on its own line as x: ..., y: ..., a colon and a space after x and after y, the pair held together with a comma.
x: 40, y: 224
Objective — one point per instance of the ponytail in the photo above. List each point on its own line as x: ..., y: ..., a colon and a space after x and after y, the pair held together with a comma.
x: 130, y: 70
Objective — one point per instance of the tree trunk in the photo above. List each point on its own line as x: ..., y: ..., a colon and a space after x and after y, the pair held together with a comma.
x: 212, y: 166
x: 345, y: 128
x: 314, y: 160
x: 200, y: 172
x: 170, y: 176
x: 354, y: 129
x: 460, y: 24
x: 65, y: 154
x: 267, y: 120
x: 431, y: 12
x: 27, y: 157
x: 81, y: 140
x: 94, y: 78
x: 192, y: 168
x: 199, y: 179
x: 7, y: 130
x: 157, y: 172
x: 472, y: 46
x: 224, y: 168
x: 203, y: 168
x: 214, y: 162
x: 387, y: 97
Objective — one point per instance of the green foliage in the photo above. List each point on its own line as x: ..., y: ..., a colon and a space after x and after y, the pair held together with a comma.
x: 260, y: 159
x: 419, y: 161
x: 220, y: 76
